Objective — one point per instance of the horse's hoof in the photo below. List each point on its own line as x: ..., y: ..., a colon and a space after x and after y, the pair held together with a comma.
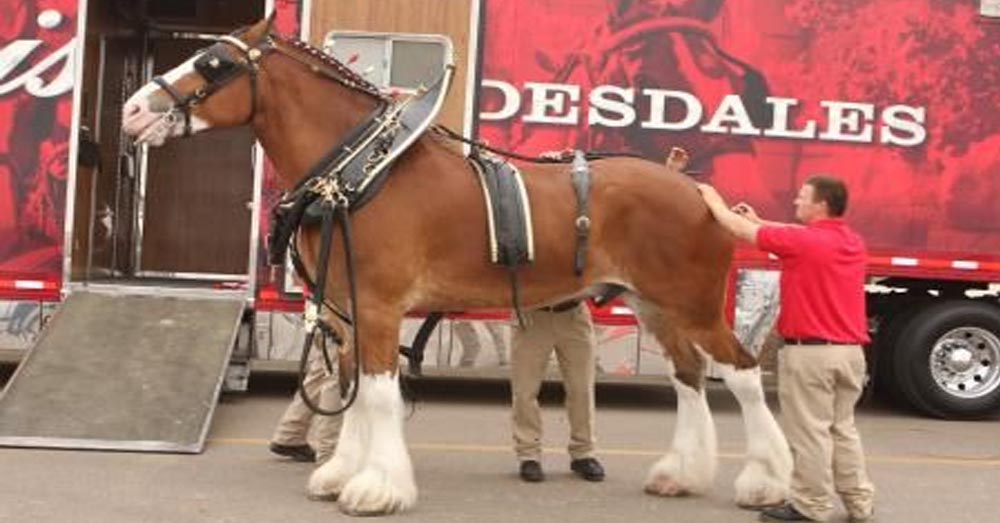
x: 760, y: 497
x: 373, y: 493
x: 325, y: 484
x: 363, y: 513
x: 664, y: 486
x: 756, y: 490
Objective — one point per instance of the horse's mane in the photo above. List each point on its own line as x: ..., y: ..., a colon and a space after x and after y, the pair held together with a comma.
x: 343, y: 74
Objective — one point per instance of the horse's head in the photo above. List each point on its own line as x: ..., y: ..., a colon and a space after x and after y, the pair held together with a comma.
x: 214, y: 88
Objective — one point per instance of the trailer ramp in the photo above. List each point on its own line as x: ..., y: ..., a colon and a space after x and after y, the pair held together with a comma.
x: 122, y: 372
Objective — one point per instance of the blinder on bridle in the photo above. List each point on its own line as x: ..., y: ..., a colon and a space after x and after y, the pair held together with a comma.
x: 218, y: 69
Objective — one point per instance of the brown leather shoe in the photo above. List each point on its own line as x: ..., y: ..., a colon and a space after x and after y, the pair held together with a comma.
x: 785, y: 512
x: 303, y: 453
x: 531, y: 471
x: 588, y: 468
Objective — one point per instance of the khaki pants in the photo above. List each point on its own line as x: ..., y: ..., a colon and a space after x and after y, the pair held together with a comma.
x: 467, y: 336
x: 818, y: 386
x: 571, y: 334
x: 321, y: 386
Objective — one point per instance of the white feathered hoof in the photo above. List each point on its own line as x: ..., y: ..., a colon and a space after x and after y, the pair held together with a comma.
x: 665, y: 486
x: 373, y: 493
x: 755, y: 488
x: 672, y: 477
x: 327, y: 481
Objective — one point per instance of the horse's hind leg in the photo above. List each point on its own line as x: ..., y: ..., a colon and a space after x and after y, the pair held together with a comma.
x: 765, y: 478
x: 371, y: 473
x: 689, y: 465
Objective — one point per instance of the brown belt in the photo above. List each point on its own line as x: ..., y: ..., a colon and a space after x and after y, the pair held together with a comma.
x: 561, y: 307
x: 815, y: 341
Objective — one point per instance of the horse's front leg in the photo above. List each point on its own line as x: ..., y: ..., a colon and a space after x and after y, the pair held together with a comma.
x: 328, y: 480
x: 370, y: 473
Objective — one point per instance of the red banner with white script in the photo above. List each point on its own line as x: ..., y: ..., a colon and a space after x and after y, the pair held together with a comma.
x: 36, y: 83
x: 898, y: 97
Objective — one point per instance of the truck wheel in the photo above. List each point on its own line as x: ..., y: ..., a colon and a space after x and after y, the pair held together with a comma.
x: 886, y: 383
x: 947, y: 361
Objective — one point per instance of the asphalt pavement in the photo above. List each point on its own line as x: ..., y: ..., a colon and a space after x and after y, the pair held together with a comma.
x: 459, y: 435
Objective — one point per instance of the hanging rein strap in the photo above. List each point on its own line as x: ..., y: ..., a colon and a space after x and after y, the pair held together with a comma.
x: 333, y: 202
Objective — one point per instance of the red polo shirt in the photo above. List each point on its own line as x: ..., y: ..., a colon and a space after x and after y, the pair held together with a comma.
x: 822, y: 280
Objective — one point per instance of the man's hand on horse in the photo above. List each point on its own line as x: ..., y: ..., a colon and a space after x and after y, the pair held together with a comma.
x: 556, y: 155
x: 745, y: 210
x: 710, y: 195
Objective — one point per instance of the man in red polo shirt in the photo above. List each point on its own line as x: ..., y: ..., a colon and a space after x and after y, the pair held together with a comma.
x: 822, y: 367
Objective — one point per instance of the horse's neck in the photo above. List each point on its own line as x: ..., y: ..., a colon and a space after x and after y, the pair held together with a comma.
x: 305, y: 118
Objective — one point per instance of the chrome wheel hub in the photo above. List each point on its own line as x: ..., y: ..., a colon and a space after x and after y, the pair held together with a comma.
x: 965, y: 362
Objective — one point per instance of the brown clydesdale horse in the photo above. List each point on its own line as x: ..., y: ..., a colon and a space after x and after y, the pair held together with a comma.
x: 420, y: 245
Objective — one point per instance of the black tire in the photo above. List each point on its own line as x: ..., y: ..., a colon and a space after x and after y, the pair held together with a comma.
x: 964, y: 328
x: 880, y: 363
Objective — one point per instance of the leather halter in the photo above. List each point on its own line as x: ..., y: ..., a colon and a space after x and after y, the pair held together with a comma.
x: 218, y: 69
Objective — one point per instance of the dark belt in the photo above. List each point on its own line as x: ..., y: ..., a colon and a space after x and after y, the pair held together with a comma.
x: 815, y: 341
x: 561, y: 307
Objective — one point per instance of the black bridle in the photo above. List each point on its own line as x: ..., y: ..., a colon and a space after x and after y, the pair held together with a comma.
x: 219, y: 68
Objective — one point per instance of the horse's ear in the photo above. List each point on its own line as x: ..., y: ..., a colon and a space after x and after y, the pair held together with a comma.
x: 270, y: 21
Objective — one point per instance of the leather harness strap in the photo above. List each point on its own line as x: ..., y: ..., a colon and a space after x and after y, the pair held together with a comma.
x: 580, y: 176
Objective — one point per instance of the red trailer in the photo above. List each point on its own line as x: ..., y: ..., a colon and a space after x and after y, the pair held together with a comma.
x: 894, y: 96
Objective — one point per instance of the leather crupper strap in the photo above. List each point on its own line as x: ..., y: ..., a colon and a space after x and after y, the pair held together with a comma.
x: 580, y: 176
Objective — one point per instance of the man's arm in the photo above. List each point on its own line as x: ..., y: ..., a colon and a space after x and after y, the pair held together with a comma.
x: 738, y: 225
x: 745, y: 210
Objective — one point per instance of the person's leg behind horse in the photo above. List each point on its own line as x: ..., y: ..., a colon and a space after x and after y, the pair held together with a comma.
x: 575, y: 350
x: 850, y: 473
x: 467, y: 336
x: 531, y: 348
x: 495, y: 330
x: 291, y: 435
x: 326, y: 429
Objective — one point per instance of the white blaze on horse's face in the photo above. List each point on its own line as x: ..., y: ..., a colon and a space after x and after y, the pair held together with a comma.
x: 150, y: 115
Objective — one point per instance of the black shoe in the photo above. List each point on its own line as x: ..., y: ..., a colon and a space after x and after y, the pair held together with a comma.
x: 784, y: 512
x: 588, y: 468
x: 303, y: 453
x: 531, y: 471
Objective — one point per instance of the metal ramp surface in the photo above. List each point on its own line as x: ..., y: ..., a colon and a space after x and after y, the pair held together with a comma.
x: 122, y: 372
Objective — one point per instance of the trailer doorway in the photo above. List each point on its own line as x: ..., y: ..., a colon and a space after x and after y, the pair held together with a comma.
x: 180, y: 214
